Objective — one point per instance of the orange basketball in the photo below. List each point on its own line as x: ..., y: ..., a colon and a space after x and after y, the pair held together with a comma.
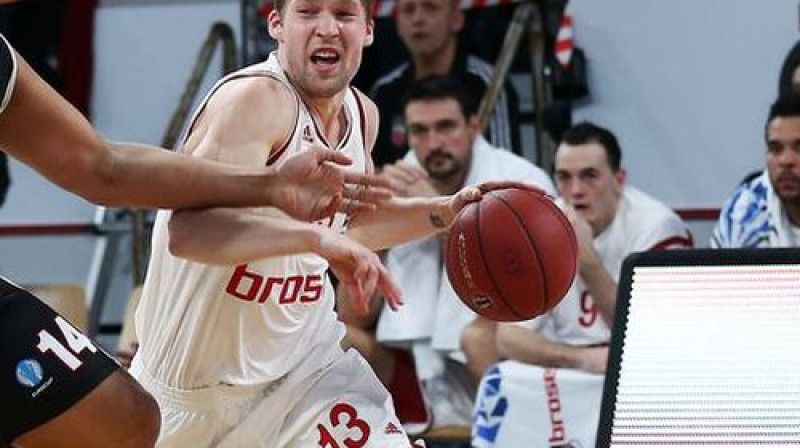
x: 512, y: 255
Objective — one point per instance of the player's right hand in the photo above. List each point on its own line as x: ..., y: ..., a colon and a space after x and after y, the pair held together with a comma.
x: 313, y: 184
x: 359, y: 269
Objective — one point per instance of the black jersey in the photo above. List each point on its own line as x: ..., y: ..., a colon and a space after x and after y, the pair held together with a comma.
x: 8, y: 72
x: 46, y: 364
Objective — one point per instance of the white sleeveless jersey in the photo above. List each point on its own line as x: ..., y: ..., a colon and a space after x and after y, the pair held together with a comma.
x: 202, y: 325
x: 641, y: 223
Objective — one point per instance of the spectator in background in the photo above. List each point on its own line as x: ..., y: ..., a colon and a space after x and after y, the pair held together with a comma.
x: 764, y: 210
x: 547, y: 391
x: 430, y: 30
x: 415, y: 350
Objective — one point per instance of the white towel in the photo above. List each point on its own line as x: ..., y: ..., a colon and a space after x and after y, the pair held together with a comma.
x: 782, y: 235
x: 432, y: 311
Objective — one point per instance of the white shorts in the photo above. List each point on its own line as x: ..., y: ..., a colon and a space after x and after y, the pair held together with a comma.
x: 521, y: 406
x: 343, y: 404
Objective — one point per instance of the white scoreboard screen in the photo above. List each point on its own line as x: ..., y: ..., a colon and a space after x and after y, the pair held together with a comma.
x: 705, y: 351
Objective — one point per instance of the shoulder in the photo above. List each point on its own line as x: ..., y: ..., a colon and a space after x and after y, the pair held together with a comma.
x: 253, y: 98
x: 392, y: 80
x: 655, y: 223
x: 643, y: 205
x: 476, y: 66
x: 751, y: 193
x: 8, y: 72
x: 370, y: 116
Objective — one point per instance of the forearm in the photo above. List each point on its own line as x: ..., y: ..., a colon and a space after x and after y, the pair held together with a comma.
x: 401, y: 220
x: 602, y: 288
x: 226, y: 236
x: 146, y: 176
x: 45, y: 132
x: 530, y: 347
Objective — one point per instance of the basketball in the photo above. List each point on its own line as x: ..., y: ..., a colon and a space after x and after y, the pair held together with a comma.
x: 512, y: 255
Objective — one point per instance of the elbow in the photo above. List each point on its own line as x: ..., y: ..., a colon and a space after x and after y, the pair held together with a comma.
x: 91, y: 176
x: 179, y: 241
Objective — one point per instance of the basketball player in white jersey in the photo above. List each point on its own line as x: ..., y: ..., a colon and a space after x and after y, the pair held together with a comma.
x: 611, y: 220
x: 56, y: 387
x: 239, y: 341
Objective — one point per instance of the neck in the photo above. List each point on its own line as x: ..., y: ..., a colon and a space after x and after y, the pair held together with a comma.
x: 439, y: 63
x: 327, y: 113
x: 451, y: 185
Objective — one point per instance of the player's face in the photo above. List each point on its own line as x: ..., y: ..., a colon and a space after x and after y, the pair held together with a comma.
x: 320, y: 43
x: 586, y: 181
x: 441, y: 137
x: 783, y: 157
x: 428, y: 26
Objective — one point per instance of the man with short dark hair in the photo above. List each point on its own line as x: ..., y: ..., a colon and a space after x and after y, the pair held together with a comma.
x: 764, y: 211
x: 430, y: 30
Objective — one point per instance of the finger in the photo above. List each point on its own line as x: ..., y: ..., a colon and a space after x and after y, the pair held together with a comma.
x: 327, y: 155
x: 354, y: 207
x: 470, y: 194
x: 499, y: 185
x: 364, y: 194
x: 369, y: 180
x: 369, y: 284
x: 362, y: 297
x: 390, y: 290
x: 336, y: 204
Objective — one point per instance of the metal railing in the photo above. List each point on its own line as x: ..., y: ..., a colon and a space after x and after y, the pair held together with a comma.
x: 220, y: 33
x: 527, y: 17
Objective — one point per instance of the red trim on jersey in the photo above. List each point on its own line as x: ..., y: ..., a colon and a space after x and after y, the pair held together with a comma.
x: 277, y: 154
x: 362, y: 115
x: 675, y: 242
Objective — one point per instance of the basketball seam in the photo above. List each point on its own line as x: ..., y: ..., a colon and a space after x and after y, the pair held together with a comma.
x: 516, y: 216
x: 478, y: 236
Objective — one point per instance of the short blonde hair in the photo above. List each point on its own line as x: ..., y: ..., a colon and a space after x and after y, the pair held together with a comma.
x: 280, y: 6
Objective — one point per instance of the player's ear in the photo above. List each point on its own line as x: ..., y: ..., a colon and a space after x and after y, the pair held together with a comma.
x: 370, y: 36
x: 474, y: 124
x: 458, y: 20
x: 275, y: 25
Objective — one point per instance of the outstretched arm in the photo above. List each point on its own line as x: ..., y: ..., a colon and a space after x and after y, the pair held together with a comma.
x: 44, y: 131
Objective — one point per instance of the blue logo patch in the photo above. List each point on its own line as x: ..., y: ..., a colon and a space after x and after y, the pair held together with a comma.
x: 29, y: 373
x: 491, y: 407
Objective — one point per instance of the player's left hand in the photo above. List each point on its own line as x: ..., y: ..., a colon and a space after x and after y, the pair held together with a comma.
x: 313, y: 185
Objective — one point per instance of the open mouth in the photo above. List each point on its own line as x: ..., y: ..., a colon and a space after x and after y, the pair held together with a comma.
x: 325, y: 57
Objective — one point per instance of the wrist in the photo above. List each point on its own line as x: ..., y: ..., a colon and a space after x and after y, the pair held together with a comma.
x: 269, y: 189
x: 441, y: 216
